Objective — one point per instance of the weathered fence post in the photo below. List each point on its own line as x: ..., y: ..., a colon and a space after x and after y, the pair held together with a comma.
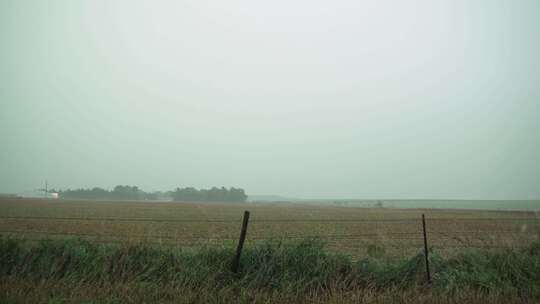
x: 236, y: 261
x: 428, y: 274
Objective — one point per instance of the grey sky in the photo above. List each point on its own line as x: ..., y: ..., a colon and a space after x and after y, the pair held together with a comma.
x: 367, y: 99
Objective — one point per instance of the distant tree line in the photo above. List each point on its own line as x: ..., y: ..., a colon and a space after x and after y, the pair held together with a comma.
x: 188, y: 194
x: 118, y: 193
x: 214, y: 194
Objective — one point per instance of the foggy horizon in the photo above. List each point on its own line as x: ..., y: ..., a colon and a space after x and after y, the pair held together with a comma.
x: 366, y: 100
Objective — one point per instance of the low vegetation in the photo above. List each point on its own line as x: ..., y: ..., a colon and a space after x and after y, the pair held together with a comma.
x: 292, y: 270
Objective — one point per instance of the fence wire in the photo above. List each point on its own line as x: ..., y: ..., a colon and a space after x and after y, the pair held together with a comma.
x: 399, y: 235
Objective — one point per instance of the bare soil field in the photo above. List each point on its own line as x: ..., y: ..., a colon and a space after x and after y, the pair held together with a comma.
x: 349, y: 230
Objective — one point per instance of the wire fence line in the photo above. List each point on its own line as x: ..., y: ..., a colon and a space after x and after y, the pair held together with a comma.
x: 409, y: 220
x: 517, y: 236
x: 315, y: 236
x: 197, y: 242
x: 452, y: 236
x: 355, y: 235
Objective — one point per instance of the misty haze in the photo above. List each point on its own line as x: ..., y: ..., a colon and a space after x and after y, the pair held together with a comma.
x: 269, y: 152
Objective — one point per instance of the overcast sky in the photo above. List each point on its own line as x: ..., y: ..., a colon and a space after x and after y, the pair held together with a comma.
x: 312, y: 99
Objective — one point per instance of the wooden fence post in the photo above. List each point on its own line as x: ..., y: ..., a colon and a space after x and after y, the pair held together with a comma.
x: 428, y: 274
x: 236, y: 261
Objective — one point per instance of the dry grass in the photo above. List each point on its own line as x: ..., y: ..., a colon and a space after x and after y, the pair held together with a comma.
x: 64, y: 292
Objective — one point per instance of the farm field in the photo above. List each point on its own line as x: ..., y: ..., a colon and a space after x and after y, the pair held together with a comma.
x: 172, y: 252
x: 348, y: 230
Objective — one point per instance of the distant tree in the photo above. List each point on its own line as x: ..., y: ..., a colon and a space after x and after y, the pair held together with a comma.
x: 127, y: 193
x: 213, y: 194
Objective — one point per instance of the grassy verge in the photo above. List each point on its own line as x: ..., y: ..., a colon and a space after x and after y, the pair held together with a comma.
x: 78, y: 271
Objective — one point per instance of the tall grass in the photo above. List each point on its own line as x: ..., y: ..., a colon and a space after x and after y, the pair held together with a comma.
x: 298, y: 268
